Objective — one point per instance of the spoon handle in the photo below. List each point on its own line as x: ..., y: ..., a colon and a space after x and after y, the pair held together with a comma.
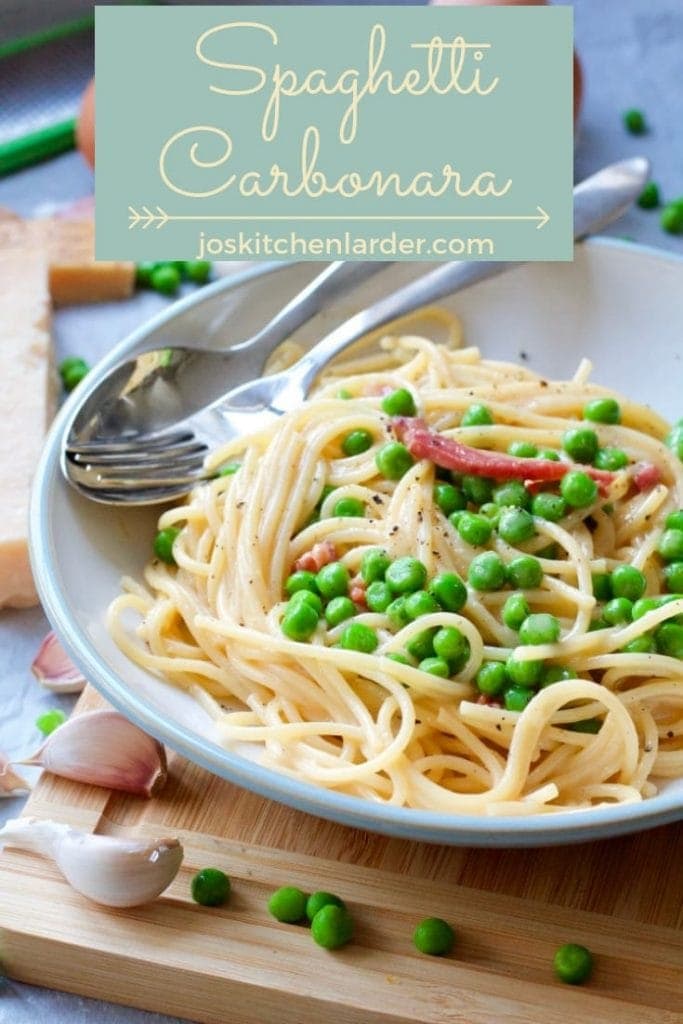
x: 335, y: 280
x: 598, y: 200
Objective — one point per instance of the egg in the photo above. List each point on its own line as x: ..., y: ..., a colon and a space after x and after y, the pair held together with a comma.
x: 85, y: 126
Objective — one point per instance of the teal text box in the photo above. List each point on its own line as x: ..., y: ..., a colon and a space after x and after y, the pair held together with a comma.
x: 334, y: 132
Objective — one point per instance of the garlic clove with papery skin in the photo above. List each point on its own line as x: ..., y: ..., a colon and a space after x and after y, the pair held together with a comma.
x: 108, y: 870
x: 53, y: 668
x: 104, y: 749
x: 11, y: 784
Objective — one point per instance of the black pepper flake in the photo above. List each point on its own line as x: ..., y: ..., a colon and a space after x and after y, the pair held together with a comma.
x: 524, y: 356
x: 670, y: 734
x: 499, y: 726
x: 394, y: 529
x: 543, y: 383
x: 378, y: 499
x: 240, y: 504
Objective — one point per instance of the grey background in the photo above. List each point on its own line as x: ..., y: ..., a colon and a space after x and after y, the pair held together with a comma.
x: 632, y: 54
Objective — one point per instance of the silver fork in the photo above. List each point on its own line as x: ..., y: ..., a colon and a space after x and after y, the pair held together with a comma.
x: 165, y: 464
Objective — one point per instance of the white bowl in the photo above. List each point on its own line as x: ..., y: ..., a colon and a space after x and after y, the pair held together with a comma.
x: 618, y: 304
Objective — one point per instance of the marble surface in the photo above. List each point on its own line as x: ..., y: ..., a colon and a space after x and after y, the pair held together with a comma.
x: 632, y: 56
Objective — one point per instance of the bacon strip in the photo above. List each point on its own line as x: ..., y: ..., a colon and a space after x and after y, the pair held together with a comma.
x: 424, y: 443
x: 646, y: 476
x: 320, y: 554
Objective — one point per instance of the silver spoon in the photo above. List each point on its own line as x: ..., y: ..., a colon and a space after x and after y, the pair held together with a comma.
x: 164, y: 464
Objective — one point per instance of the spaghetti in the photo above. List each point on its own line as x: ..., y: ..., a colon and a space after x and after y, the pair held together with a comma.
x: 602, y: 719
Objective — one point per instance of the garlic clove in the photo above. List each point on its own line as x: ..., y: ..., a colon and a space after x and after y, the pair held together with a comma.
x: 11, y: 784
x: 53, y: 668
x: 104, y: 749
x: 109, y: 870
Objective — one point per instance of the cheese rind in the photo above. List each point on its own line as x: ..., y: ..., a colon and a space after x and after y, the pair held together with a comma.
x: 28, y: 391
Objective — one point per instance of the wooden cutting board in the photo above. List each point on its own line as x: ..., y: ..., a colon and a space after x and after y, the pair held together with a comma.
x: 236, y: 965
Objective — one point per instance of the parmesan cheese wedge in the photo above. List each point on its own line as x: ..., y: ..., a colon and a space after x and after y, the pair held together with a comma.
x: 75, y: 275
x: 28, y: 392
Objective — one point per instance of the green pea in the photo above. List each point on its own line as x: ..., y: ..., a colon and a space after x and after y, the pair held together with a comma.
x: 317, y: 900
x: 333, y: 580
x: 338, y: 610
x: 72, y: 370
x: 435, y: 667
x: 602, y: 410
x: 634, y: 121
x: 349, y: 507
x: 556, y: 674
x: 332, y: 927
x: 673, y: 576
x: 420, y: 603
x: 549, y: 454
x: 644, y: 644
x: 516, y: 698
x: 513, y: 493
x: 671, y: 218
x: 163, y: 544
x: 549, y: 506
x: 523, y: 673
x: 143, y: 273
x: 50, y: 720
x: 573, y: 964
x: 587, y: 725
x: 397, y: 657
x: 165, y: 278
x: 434, y: 936
x: 453, y: 646
x: 359, y: 637
x: 406, y: 574
x: 669, y: 640
x: 357, y: 442
x: 515, y: 611
x: 299, y: 623
x: 396, y: 613
x: 344, y: 394
x: 580, y: 444
x: 288, y: 904
x: 540, y: 628
x: 486, y: 572
x: 627, y: 581
x: 305, y: 597
x: 516, y: 525
x: 474, y: 529
x: 197, y: 271
x: 578, y: 489
x: 477, y: 489
x: 597, y: 624
x: 374, y: 564
x: 229, y: 469
x: 301, y: 580
x: 525, y: 572
x: 549, y: 551
x: 210, y: 887
x: 455, y: 517
x: 421, y: 646
x: 670, y: 545
x: 491, y: 511
x: 393, y: 460
x: 491, y: 678
x: 448, y: 498
x: 476, y: 416
x: 522, y: 449
x: 617, y: 610
x: 399, y: 403
x: 602, y: 586
x: 649, y: 197
x: 378, y: 596
x: 610, y: 459
x: 449, y: 590
x: 674, y: 521
x: 674, y: 439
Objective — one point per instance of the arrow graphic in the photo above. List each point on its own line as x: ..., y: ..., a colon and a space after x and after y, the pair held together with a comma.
x: 147, y: 218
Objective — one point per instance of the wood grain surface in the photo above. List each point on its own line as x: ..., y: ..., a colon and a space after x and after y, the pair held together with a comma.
x: 236, y: 965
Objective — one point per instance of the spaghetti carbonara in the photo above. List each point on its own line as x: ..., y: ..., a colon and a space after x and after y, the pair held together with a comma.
x: 442, y: 582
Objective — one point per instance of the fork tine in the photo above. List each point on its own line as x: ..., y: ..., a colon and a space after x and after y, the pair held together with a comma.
x: 151, y: 473
x: 96, y: 448
x: 138, y: 456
